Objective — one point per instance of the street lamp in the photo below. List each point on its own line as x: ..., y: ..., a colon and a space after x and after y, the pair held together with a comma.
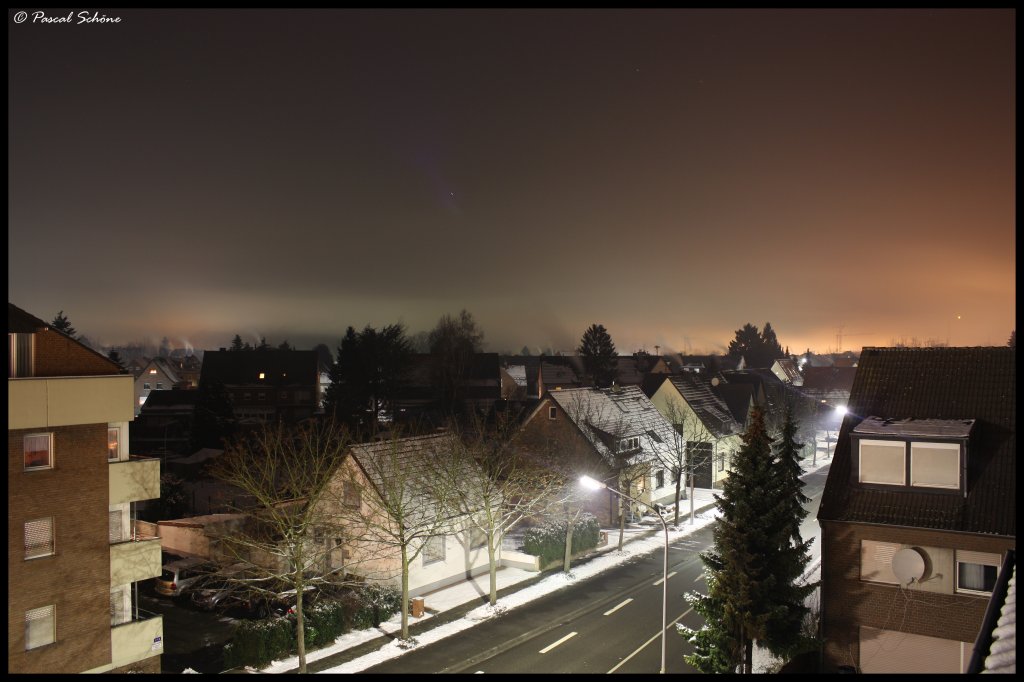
x: 588, y: 482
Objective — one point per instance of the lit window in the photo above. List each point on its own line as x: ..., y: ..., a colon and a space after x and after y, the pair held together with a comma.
x: 40, y: 627
x: 262, y: 375
x: 976, y: 572
x: 433, y: 550
x: 39, y: 538
x: 113, y: 444
x: 38, y: 451
x: 152, y: 371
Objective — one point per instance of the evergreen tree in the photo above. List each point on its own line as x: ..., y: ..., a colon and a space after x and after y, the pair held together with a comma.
x: 600, y: 361
x: 747, y: 343
x: 525, y: 352
x: 453, y: 343
x: 371, y: 366
x: 284, y: 345
x: 63, y: 325
x: 115, y: 356
x: 784, y: 636
x: 323, y: 354
x: 236, y: 343
x: 747, y: 537
x: 263, y: 344
x: 770, y: 346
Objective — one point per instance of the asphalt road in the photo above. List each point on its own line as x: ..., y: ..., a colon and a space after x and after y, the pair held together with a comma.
x: 610, y: 623
x: 192, y: 638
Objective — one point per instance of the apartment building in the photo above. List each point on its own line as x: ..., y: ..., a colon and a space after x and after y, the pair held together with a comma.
x: 74, y: 559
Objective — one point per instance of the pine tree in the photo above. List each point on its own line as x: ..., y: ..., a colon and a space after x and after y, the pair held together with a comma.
x: 747, y: 343
x: 784, y: 636
x: 770, y: 346
x: 598, y: 353
x: 63, y: 325
x: 115, y: 356
x: 263, y: 344
x: 236, y: 343
x: 747, y: 537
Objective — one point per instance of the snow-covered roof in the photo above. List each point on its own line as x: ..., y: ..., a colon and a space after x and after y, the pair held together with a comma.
x: 939, y: 428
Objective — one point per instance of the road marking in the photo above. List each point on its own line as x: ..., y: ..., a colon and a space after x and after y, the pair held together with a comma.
x: 608, y: 613
x: 661, y: 580
x: 699, y: 578
x: 549, y: 647
x: 623, y: 661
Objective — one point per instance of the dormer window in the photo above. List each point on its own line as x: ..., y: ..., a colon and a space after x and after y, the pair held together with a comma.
x: 627, y: 444
x: 922, y: 453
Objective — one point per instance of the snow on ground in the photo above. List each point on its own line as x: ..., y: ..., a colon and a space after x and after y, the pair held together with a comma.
x: 610, y: 557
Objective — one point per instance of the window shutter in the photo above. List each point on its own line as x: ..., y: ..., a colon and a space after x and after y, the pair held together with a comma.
x: 38, y: 538
x: 39, y: 627
x: 983, y: 558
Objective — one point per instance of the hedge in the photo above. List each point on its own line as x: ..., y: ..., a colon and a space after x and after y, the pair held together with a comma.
x: 259, y: 642
x: 548, y: 541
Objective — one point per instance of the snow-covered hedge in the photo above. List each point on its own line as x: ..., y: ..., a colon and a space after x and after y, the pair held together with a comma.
x: 548, y: 541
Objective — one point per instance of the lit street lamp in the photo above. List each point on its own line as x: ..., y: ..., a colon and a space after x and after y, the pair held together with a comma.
x: 589, y: 482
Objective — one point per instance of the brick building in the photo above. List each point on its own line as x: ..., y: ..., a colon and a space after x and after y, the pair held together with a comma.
x: 73, y: 558
x: 919, y: 509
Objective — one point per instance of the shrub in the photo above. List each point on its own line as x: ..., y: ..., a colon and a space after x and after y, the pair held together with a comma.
x: 548, y: 541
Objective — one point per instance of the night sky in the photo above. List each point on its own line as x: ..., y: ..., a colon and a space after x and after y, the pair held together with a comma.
x: 670, y: 174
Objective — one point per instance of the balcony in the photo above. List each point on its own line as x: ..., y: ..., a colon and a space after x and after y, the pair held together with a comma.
x: 135, y: 479
x: 134, y: 560
x: 67, y: 401
x: 136, y: 640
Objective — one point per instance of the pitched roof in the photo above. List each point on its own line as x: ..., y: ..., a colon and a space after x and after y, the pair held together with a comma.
x: 624, y: 412
x: 21, y: 322
x: 935, y: 384
x: 828, y: 379
x: 737, y: 397
x: 712, y: 411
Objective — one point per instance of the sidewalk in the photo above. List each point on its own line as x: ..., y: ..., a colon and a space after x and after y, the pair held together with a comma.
x: 454, y: 602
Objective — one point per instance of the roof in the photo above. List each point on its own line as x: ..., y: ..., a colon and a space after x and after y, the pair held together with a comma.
x: 21, y: 322
x: 243, y: 367
x: 624, y: 412
x: 938, y: 428
x: 712, y: 411
x: 790, y: 371
x: 935, y: 384
x: 828, y: 379
x: 166, y: 367
x: 170, y: 399
x: 737, y: 397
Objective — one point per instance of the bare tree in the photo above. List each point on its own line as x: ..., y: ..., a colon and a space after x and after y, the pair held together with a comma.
x: 689, y: 452
x: 284, y: 473
x: 496, y: 487
x: 397, y: 499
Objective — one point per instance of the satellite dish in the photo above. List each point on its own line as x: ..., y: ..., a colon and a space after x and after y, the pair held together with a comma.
x: 908, y: 565
x: 714, y: 381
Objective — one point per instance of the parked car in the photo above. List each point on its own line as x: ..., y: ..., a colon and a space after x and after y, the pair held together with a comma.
x: 216, y: 592
x: 267, y: 604
x: 179, y: 575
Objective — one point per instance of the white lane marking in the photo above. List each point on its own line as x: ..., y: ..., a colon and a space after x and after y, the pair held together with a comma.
x: 623, y: 661
x: 608, y: 613
x: 661, y: 580
x: 549, y: 647
x: 699, y: 578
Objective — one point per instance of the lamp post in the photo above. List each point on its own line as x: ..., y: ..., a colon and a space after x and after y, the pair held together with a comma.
x: 589, y: 482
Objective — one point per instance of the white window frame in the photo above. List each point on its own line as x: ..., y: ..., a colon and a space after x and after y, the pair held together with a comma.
x: 434, y: 550
x: 885, y: 444
x: 122, y: 446
x: 552, y: 412
x: 49, y: 464
x: 955, y: 447
x: 41, y: 635
x: 49, y: 550
x: 989, y: 559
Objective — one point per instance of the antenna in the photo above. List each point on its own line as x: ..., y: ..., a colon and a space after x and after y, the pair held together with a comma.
x: 908, y: 565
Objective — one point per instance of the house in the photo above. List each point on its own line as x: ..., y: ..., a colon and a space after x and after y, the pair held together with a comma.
x: 164, y: 424
x: 589, y: 429
x: 919, y: 509
x: 705, y: 424
x: 829, y: 385
x: 187, y: 366
x: 420, y: 395
x: 266, y: 385
x: 157, y: 375
x: 74, y: 556
x: 369, y: 481
x: 787, y: 370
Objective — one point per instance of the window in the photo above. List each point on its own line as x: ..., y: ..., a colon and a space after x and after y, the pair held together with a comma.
x: 433, y: 550
x: 976, y: 572
x: 477, y: 537
x: 882, y: 461
x: 120, y: 605
x: 876, y: 561
x: 39, y: 538
x: 152, y: 371
x: 113, y: 444
x: 721, y: 461
x: 40, y: 627
x: 261, y: 396
x: 935, y: 465
x: 552, y: 413
x: 159, y: 385
x: 659, y: 479
x: 247, y: 396
x: 20, y: 355
x: 145, y: 385
x: 627, y: 444
x: 39, y: 451
x: 262, y: 375
x: 351, y: 494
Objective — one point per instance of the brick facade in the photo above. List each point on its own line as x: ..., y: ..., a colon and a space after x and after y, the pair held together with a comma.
x: 76, y: 579
x: 57, y: 355
x: 848, y: 602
